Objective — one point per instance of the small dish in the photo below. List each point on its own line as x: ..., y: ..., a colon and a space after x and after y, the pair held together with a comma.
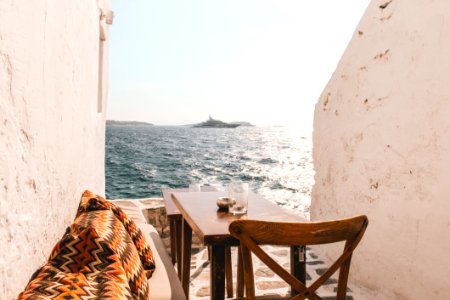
x: 224, y: 202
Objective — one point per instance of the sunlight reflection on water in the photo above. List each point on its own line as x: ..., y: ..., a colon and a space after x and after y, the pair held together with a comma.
x: 276, y: 161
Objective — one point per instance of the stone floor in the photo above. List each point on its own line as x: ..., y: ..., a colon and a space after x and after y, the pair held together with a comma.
x: 266, y: 282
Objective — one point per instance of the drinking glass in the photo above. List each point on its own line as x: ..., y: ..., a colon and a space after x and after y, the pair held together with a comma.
x: 238, y: 192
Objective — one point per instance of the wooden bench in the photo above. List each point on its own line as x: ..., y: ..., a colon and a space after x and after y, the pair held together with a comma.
x: 164, y: 284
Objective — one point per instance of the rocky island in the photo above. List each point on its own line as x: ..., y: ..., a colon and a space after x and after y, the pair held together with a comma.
x: 213, y: 123
x: 243, y: 124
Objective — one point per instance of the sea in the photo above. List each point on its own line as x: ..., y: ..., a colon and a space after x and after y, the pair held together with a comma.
x: 275, y: 161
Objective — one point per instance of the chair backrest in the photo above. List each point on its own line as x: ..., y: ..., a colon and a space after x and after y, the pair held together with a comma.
x: 252, y: 233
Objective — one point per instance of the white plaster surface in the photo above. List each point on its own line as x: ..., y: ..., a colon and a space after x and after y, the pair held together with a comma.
x: 381, y: 148
x: 51, y: 135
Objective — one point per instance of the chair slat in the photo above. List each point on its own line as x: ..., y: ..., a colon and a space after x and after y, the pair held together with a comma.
x: 311, y: 233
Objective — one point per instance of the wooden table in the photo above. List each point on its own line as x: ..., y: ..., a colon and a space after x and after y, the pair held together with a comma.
x: 175, y: 218
x: 200, y: 214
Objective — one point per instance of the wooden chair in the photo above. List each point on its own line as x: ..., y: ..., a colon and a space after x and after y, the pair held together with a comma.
x: 253, y: 233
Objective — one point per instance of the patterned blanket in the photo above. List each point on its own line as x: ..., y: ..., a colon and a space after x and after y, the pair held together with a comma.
x: 102, y: 255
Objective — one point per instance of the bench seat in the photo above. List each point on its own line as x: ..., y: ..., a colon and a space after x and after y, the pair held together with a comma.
x: 164, y: 283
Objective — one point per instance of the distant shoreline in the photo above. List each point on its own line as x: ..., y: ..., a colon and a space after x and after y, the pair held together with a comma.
x: 127, y: 123
x: 140, y: 123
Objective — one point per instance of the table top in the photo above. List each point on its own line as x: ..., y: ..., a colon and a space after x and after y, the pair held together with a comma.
x: 200, y: 210
x: 171, y: 209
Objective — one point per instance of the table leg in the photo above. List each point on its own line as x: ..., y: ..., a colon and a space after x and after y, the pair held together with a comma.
x: 173, y: 242
x: 298, y: 264
x: 217, y: 275
x: 186, y: 258
x: 178, y: 251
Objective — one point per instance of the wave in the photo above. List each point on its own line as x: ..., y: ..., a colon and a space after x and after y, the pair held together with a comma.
x: 141, y: 161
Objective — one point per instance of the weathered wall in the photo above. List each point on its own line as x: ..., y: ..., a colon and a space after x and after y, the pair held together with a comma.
x: 381, y: 140
x: 51, y: 134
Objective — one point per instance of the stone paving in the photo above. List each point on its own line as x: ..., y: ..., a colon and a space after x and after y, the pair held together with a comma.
x: 266, y: 282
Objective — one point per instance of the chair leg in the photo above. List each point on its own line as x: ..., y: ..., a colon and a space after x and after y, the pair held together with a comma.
x: 240, y: 275
x: 228, y: 272
x: 343, y: 278
x: 248, y: 273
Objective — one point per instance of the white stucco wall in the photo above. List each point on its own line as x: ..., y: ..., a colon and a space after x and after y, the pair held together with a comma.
x: 51, y: 133
x: 381, y: 147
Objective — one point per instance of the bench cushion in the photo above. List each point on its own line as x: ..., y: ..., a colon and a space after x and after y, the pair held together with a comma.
x: 164, y: 284
x: 132, y: 209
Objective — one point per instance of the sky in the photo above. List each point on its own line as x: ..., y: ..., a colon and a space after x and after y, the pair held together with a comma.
x: 265, y: 62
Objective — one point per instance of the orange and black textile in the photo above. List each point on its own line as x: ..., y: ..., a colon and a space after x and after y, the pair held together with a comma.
x: 82, y: 267
x: 91, y: 202
x: 103, y: 255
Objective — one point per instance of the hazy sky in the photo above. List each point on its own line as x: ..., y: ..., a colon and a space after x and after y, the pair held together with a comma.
x: 267, y: 62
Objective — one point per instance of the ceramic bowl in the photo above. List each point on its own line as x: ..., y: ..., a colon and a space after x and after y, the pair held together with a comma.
x: 224, y: 202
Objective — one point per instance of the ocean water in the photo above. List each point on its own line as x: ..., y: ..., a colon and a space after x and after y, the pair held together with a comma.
x: 276, y: 161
